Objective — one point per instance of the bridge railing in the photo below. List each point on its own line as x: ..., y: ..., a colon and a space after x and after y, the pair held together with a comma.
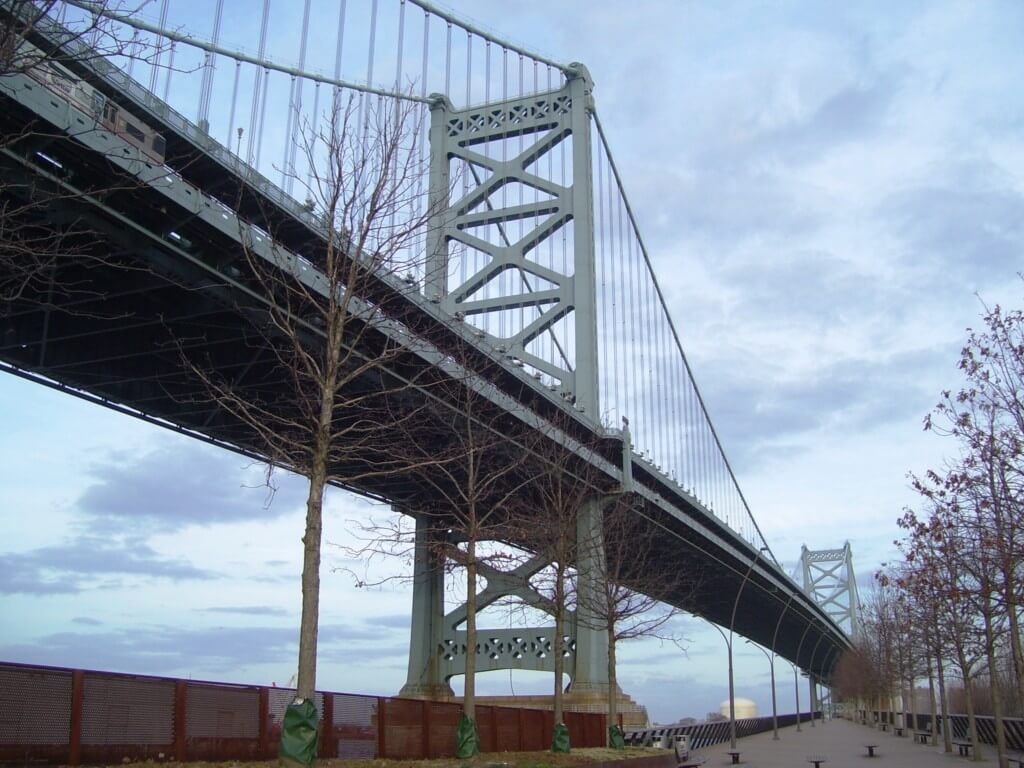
x: 710, y: 733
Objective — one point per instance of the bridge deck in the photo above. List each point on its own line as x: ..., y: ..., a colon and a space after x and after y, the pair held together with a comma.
x: 842, y: 743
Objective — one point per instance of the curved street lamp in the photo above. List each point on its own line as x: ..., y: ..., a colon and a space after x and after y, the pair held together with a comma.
x: 775, y: 639
x: 771, y: 666
x: 732, y: 624
x: 810, y: 674
x: 796, y: 676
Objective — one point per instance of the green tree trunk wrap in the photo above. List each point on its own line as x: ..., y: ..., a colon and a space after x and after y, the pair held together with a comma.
x: 615, y: 738
x: 299, y: 734
x: 560, y: 738
x: 467, y: 743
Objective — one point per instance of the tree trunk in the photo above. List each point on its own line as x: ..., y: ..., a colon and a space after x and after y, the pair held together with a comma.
x: 556, y: 644
x: 913, y: 695
x: 932, y: 710
x: 469, y: 690
x: 306, y: 683
x: 972, y: 723
x: 947, y: 728
x: 613, y: 687
x: 995, y: 687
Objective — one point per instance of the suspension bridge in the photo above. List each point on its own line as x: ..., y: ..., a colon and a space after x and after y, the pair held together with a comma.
x: 529, y: 253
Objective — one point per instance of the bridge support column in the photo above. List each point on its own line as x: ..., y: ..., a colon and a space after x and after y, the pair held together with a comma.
x: 424, y: 679
x: 591, y: 673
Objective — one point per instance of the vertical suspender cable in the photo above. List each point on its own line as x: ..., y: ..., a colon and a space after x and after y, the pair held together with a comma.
x: 373, y: 42
x: 396, y: 105
x: 371, y: 52
x: 295, y: 109
x: 521, y: 227
x: 339, y: 49
x: 210, y: 66
x: 133, y: 47
x: 448, y: 62
x: 653, y: 383
x: 399, y: 86
x: 234, y: 106
x: 626, y: 288
x: 154, y: 72
x: 616, y: 285
x: 259, y: 85
x: 314, y: 138
x: 463, y: 250
x: 603, y: 250
x: 424, y: 137
x: 170, y: 70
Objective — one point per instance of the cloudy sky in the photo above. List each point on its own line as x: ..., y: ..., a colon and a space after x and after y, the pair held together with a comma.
x: 828, y: 193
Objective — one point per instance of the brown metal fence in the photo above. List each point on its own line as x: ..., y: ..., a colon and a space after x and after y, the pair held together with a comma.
x: 71, y: 717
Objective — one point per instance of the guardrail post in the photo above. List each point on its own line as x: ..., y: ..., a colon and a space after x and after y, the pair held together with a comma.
x: 381, y: 727
x: 264, y: 724
x: 180, y: 719
x: 75, y: 731
x: 328, y: 746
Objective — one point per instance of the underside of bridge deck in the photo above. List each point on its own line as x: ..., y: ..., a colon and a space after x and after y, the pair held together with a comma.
x: 151, y: 288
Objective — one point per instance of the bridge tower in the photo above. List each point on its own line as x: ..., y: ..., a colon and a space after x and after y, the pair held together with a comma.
x: 829, y: 580
x: 500, y: 202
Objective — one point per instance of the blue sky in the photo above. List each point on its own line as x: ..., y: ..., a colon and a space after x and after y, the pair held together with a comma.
x: 826, y: 192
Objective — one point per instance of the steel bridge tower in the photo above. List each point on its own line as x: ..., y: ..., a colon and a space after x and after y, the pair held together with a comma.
x: 829, y: 580
x: 460, y: 138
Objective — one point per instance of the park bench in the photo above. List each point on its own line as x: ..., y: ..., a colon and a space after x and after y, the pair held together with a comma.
x: 963, y: 747
x: 922, y: 737
x: 1015, y: 758
x: 871, y: 749
x: 735, y: 757
x: 898, y: 730
x: 817, y: 760
x: 884, y: 726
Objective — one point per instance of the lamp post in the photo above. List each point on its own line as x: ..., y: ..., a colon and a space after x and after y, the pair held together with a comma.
x: 775, y: 638
x: 796, y: 678
x: 796, y: 691
x: 732, y: 624
x: 810, y: 674
x: 771, y: 667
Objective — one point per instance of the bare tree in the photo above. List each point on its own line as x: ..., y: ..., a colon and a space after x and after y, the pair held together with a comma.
x: 315, y: 398
x: 561, y: 520
x: 467, y: 458
x: 636, y: 590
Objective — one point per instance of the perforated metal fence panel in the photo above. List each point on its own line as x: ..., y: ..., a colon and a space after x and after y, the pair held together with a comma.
x: 63, y: 716
x: 221, y: 712
x: 355, y: 726
x: 536, y: 733
x: 35, y: 706
x: 222, y: 722
x: 403, y: 729
x: 127, y: 710
x: 442, y: 722
x: 506, y: 729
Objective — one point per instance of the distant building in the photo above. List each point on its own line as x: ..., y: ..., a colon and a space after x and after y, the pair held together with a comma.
x: 744, y: 708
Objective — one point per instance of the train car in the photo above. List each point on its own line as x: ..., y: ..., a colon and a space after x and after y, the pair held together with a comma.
x: 61, y: 81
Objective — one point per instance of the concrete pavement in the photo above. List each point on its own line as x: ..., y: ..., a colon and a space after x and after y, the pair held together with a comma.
x: 842, y: 743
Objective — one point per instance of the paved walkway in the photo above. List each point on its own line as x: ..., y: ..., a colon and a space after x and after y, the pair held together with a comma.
x: 842, y: 743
